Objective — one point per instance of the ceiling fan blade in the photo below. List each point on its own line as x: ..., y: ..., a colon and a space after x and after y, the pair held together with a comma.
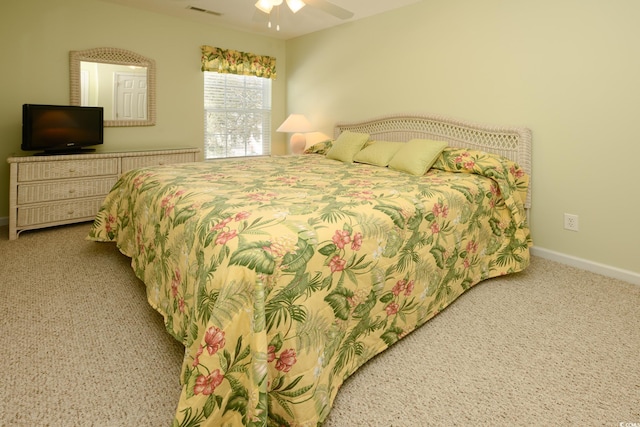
x: 330, y: 8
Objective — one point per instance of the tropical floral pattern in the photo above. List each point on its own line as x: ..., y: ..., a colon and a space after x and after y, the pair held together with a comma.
x: 282, y: 276
x: 236, y: 62
x: 320, y: 147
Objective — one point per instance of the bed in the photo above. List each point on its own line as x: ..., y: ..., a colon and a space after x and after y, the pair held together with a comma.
x: 283, y: 275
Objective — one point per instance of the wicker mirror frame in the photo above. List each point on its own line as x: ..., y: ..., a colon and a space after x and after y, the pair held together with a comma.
x: 109, y: 55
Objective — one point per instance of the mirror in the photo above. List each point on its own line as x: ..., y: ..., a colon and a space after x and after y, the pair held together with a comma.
x: 120, y: 81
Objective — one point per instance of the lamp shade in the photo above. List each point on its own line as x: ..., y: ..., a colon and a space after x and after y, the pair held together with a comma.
x: 264, y: 5
x: 295, y: 5
x: 295, y: 123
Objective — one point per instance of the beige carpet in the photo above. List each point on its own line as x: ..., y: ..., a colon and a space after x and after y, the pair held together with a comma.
x: 553, y: 346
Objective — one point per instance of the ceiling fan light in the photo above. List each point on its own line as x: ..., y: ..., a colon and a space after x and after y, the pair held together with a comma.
x: 264, y: 5
x: 295, y: 5
x: 276, y: 2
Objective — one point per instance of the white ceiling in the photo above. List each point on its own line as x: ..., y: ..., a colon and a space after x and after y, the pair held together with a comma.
x: 243, y: 15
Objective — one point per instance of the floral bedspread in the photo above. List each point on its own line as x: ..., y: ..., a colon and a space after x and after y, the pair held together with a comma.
x: 283, y: 275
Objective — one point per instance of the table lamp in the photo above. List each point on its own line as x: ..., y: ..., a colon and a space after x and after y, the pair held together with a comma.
x: 296, y: 124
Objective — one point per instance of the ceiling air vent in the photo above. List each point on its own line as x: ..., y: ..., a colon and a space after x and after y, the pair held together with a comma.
x: 199, y: 9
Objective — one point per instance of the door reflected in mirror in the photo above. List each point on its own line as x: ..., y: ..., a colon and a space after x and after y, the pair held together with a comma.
x: 121, y: 82
x: 120, y: 89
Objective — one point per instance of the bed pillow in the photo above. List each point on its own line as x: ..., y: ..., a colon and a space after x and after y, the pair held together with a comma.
x: 378, y: 153
x: 347, y: 145
x: 319, y: 147
x: 417, y: 156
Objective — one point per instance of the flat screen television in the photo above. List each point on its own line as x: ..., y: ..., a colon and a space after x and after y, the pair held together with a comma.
x: 61, y: 129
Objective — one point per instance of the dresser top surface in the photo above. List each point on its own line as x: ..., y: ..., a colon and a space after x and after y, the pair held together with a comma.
x: 99, y: 155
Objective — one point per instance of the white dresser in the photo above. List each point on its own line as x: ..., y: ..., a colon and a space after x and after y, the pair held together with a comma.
x: 64, y: 189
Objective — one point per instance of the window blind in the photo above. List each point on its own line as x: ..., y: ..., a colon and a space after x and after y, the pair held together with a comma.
x: 237, y: 115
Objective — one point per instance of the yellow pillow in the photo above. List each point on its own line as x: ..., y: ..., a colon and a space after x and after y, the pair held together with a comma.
x: 378, y: 153
x: 347, y: 145
x: 417, y: 156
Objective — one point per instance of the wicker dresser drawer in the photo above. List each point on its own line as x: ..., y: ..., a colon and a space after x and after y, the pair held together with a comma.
x: 59, y: 212
x: 46, y: 191
x: 129, y: 163
x: 38, y: 171
x: 69, y: 188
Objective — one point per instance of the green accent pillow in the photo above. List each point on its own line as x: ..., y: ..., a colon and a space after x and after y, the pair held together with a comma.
x: 378, y: 153
x: 417, y: 156
x: 319, y: 147
x: 347, y: 145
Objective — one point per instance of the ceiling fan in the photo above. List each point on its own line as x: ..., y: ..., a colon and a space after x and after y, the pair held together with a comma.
x: 267, y: 6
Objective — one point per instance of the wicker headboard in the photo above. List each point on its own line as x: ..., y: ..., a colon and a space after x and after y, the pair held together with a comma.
x: 513, y: 143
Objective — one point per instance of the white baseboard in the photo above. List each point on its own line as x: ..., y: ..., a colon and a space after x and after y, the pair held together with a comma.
x: 4, y: 221
x: 594, y: 267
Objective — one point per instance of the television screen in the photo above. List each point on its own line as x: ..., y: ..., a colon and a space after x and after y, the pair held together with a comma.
x: 61, y: 128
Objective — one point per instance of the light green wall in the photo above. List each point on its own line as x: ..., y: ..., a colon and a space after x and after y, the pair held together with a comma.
x: 37, y: 35
x: 567, y: 69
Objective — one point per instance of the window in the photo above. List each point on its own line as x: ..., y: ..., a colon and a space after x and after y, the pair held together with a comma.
x: 237, y: 115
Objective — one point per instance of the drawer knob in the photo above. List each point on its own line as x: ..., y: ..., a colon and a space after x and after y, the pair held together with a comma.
x: 70, y: 212
x: 72, y: 190
x: 72, y: 170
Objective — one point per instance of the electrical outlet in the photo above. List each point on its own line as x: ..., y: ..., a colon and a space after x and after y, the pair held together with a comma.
x: 571, y: 222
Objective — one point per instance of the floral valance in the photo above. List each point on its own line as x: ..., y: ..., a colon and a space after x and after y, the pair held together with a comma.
x: 235, y: 62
